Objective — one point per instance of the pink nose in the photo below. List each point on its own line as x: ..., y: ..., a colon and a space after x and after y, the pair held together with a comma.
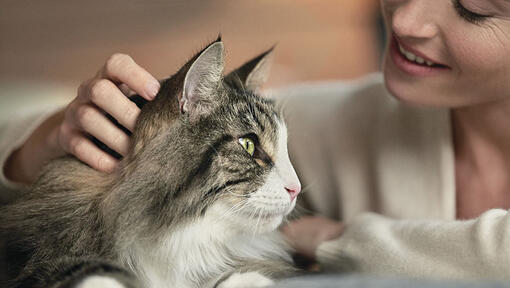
x: 293, y: 191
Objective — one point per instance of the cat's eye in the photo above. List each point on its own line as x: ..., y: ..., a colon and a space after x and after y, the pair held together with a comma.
x: 248, y: 145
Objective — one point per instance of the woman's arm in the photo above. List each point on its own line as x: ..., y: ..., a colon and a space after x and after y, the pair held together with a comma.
x: 473, y: 249
x: 67, y: 130
x: 24, y: 163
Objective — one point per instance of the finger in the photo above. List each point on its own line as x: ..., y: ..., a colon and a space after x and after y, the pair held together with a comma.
x: 77, y: 144
x: 96, y: 124
x: 108, y: 97
x: 126, y: 90
x: 121, y: 68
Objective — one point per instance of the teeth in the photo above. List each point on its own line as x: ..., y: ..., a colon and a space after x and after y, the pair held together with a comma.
x: 412, y: 57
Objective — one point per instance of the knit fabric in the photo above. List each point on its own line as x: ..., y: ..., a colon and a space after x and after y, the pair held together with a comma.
x: 358, y: 150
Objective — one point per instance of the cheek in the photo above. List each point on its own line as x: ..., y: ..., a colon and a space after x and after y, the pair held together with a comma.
x: 479, y: 52
x: 271, y: 197
x: 478, y: 56
x: 481, y: 62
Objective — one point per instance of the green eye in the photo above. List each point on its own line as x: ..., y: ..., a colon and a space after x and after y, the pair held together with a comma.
x: 248, y: 145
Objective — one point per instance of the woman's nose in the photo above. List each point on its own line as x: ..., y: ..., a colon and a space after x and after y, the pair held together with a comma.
x: 293, y: 190
x: 415, y: 19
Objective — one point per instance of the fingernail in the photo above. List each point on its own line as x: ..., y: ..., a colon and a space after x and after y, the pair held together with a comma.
x: 152, y: 89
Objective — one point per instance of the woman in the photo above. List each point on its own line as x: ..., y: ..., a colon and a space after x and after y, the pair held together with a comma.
x: 359, y: 149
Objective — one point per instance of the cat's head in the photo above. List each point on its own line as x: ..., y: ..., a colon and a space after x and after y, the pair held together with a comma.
x: 208, y: 144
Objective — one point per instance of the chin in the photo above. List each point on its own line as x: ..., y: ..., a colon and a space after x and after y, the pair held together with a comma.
x: 424, y: 94
x: 399, y: 91
x: 249, y: 224
x: 415, y: 92
x: 265, y: 224
x: 273, y: 223
x: 433, y: 91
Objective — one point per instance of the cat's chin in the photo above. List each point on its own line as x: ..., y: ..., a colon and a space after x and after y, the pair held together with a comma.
x: 264, y: 224
x: 247, y: 221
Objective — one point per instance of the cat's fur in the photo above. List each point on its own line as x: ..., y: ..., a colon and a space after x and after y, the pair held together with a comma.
x: 188, y: 207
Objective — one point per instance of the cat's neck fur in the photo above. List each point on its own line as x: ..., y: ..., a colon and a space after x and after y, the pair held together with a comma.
x: 204, y: 249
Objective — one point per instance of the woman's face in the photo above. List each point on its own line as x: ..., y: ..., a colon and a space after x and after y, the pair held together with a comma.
x: 448, y: 53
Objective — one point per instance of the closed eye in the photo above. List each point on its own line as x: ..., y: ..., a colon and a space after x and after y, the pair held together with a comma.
x: 467, y: 14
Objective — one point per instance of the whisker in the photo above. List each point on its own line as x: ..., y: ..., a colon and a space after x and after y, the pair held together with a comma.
x: 252, y: 215
x: 235, y: 208
x: 256, y: 230
x: 285, y: 220
x: 239, y: 208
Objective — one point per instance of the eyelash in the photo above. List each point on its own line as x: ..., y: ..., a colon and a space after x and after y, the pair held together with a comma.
x: 468, y: 15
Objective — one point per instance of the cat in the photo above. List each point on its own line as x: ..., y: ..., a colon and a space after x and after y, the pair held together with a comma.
x: 195, y: 203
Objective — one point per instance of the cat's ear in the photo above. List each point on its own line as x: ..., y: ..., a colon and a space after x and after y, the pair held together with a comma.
x: 253, y: 74
x: 202, y: 80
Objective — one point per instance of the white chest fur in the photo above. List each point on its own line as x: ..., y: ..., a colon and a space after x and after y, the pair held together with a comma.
x: 200, y: 253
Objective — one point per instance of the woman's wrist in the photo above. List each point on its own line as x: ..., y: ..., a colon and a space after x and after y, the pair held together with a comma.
x: 306, y: 234
x: 331, y: 231
x: 25, y: 163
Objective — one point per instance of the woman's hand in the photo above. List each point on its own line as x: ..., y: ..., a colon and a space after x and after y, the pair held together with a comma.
x: 68, y: 130
x: 307, y: 233
x: 84, y: 115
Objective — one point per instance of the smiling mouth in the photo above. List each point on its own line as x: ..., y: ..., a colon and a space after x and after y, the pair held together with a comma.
x: 412, y: 62
x: 416, y: 59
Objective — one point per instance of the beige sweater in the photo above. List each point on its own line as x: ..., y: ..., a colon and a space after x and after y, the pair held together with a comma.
x: 357, y: 150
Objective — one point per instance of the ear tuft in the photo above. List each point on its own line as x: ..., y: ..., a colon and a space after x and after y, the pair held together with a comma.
x: 202, y: 80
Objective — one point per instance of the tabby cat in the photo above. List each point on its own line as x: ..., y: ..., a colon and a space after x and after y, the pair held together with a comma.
x: 194, y: 204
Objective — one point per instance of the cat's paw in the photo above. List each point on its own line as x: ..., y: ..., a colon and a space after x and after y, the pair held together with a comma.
x: 246, y: 280
x: 97, y: 281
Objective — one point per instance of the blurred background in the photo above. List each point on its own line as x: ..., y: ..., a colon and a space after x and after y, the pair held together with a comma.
x: 58, y: 44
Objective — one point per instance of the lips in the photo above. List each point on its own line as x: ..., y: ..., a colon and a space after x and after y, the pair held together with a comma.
x: 415, y: 58
x: 413, y: 62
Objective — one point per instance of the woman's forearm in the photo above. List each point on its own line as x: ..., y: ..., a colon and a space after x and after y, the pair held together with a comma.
x: 474, y: 249
x: 25, y: 163
x: 68, y: 131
